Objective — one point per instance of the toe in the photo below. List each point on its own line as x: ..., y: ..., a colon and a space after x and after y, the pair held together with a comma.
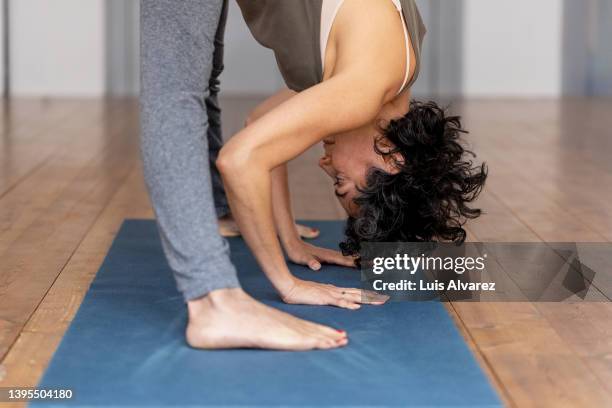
x: 333, y: 333
x: 307, y: 232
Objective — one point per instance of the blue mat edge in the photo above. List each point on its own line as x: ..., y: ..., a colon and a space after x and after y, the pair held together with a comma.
x: 125, y: 225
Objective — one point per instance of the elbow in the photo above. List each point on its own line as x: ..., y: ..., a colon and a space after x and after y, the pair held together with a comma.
x: 252, y: 117
x: 226, y: 163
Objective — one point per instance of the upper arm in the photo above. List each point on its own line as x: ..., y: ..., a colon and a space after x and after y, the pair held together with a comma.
x: 341, y: 103
x: 352, y: 97
x: 375, y: 48
x: 269, y: 104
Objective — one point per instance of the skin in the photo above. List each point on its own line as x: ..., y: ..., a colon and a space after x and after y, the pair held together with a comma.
x: 228, y: 229
x: 365, y: 41
x: 230, y: 318
x: 348, y: 157
x: 290, y: 233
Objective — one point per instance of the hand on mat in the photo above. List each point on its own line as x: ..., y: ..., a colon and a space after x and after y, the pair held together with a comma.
x: 314, y: 293
x: 312, y: 256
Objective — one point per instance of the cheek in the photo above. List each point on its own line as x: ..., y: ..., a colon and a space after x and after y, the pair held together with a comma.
x: 349, y: 206
x: 354, y: 154
x: 342, y: 157
x: 354, y: 165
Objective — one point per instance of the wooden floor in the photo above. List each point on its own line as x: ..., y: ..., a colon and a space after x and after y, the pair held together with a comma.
x: 69, y: 175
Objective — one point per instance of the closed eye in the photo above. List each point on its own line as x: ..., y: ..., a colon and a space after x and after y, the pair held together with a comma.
x: 339, y: 195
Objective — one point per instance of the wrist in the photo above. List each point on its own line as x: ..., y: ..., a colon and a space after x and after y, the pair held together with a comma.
x: 285, y: 286
x: 291, y: 242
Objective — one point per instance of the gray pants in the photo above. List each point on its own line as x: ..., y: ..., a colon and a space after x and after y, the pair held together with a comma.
x: 181, y: 60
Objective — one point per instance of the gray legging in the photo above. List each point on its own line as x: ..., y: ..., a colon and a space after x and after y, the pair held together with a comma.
x: 181, y: 60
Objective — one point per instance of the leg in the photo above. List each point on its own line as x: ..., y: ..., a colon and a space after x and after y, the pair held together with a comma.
x: 177, y: 45
x: 215, y: 134
x: 177, y: 52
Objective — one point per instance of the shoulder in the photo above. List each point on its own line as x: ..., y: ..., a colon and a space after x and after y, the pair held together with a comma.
x: 370, y: 37
x: 376, y: 18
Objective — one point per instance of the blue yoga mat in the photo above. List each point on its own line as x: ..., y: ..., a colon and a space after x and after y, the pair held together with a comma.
x: 126, y: 344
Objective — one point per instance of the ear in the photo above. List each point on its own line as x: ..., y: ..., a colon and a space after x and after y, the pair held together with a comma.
x: 395, y: 162
x: 392, y: 158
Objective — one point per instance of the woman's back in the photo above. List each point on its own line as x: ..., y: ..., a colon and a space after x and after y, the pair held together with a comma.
x: 292, y: 29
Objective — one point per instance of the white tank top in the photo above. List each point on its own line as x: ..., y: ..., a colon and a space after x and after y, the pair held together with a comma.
x: 328, y: 15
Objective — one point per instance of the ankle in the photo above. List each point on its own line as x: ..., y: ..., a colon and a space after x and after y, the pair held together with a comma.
x: 215, y: 300
x: 226, y: 218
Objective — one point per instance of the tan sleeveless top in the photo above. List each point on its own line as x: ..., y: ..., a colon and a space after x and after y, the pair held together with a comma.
x: 292, y: 28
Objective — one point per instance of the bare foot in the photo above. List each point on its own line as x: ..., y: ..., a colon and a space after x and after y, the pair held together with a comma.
x: 228, y: 228
x: 229, y: 318
x: 307, y: 232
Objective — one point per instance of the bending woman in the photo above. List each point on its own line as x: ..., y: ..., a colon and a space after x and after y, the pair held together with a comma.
x: 398, y: 168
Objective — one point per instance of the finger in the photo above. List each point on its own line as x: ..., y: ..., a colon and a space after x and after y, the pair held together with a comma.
x: 373, y: 298
x: 335, y: 257
x: 307, y: 260
x: 314, y: 264
x: 354, y: 296
x: 342, y: 260
x: 351, y: 297
x: 347, y: 304
x: 364, y: 296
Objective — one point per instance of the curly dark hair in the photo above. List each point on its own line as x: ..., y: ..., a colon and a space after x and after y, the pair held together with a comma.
x: 427, y: 199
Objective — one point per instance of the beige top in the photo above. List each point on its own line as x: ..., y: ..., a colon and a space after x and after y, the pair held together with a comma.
x: 292, y: 29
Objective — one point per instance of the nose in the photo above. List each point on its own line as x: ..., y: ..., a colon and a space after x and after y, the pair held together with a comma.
x: 325, y: 163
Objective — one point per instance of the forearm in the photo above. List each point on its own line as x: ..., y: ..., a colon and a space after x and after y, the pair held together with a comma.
x: 281, y: 204
x: 248, y: 159
x: 281, y: 201
x: 248, y: 187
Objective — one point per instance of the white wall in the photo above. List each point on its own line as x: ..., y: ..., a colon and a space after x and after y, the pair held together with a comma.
x: 601, y: 83
x: 512, y: 48
x: 57, y: 47
x: 122, y: 37
x: 1, y: 50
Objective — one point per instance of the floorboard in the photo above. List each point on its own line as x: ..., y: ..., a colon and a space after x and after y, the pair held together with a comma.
x: 71, y: 175
x: 44, y: 236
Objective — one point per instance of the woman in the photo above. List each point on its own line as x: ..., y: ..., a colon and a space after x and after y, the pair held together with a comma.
x: 397, y: 167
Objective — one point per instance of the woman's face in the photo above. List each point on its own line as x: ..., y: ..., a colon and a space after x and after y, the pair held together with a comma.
x: 348, y: 158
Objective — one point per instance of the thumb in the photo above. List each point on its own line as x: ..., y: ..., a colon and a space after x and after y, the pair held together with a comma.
x: 335, y: 257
